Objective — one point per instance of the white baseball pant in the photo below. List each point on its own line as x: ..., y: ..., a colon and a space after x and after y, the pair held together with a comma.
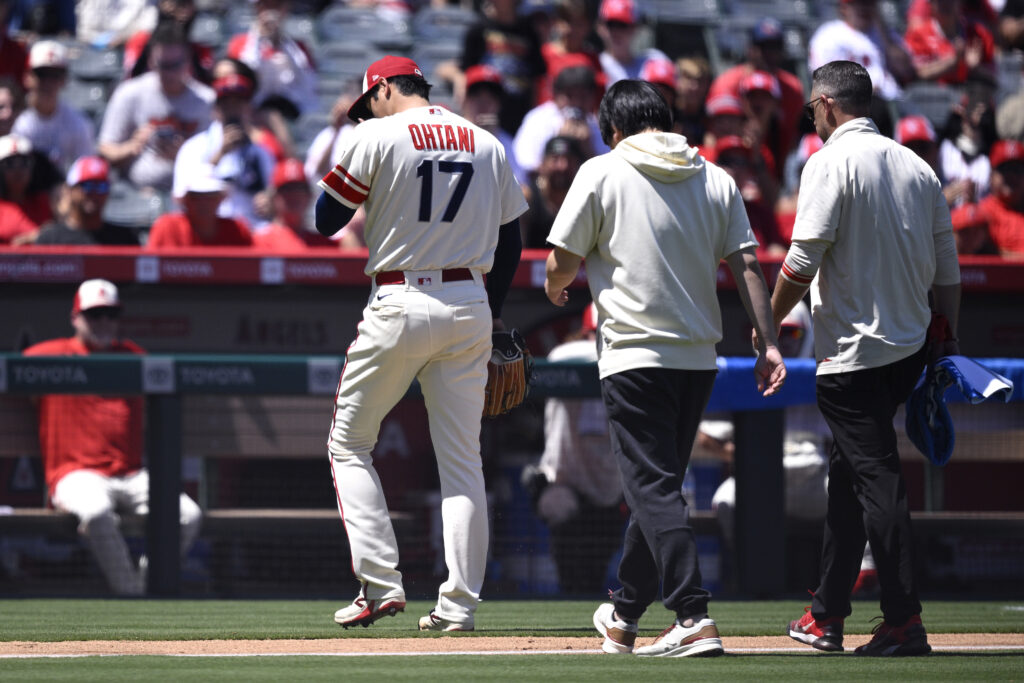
x: 96, y: 499
x: 439, y: 333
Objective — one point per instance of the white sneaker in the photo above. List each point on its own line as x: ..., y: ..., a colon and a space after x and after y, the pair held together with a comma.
x: 698, y: 639
x: 363, y: 612
x: 619, y: 635
x: 432, y: 622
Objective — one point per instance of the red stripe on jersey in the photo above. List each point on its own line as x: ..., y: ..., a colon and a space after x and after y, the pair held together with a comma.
x: 794, y: 276
x: 343, y: 185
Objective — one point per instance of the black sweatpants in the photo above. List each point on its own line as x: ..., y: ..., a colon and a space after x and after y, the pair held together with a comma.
x: 867, y: 497
x: 653, y: 414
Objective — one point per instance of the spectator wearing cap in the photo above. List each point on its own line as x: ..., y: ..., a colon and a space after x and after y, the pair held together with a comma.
x: 785, y: 205
x: 661, y: 73
x: 996, y: 223
x: 285, y: 66
x: 150, y: 116
x: 481, y: 104
x: 182, y: 12
x: 198, y: 225
x: 545, y: 192
x: 18, y: 186
x: 725, y: 116
x: 257, y: 129
x: 761, y: 94
x: 80, y: 210
x: 290, y: 230
x: 859, y: 35
x: 91, y: 446
x: 617, y: 24
x: 570, y: 42
x: 735, y: 156
x: 570, y: 112
x: 53, y: 127
x: 917, y: 134
x: 765, y: 54
x: 949, y: 47
x: 692, y: 86
x: 226, y: 151
x: 504, y: 40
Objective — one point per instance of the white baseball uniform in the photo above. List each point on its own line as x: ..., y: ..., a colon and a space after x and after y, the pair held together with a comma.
x: 435, y: 188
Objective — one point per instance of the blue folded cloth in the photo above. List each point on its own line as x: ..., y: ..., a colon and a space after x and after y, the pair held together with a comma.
x: 928, y: 424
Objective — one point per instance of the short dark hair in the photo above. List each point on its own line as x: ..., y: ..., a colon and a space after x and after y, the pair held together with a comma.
x: 169, y: 33
x: 574, y: 77
x: 848, y: 83
x: 408, y: 85
x: 565, y: 146
x: 631, y: 107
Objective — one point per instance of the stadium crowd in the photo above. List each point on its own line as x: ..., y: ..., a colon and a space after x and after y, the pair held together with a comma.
x: 125, y: 121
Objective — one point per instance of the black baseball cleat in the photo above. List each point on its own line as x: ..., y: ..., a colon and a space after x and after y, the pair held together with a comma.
x: 825, y: 635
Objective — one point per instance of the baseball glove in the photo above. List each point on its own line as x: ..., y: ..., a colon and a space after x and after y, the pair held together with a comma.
x: 509, y: 372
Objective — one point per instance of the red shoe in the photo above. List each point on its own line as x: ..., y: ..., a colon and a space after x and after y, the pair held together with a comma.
x: 897, y: 641
x: 867, y: 582
x: 363, y: 612
x: 824, y: 635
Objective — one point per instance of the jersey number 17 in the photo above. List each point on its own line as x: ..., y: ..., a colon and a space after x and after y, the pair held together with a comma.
x: 425, y: 172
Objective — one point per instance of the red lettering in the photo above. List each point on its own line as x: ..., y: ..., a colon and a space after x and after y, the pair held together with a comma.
x: 472, y: 141
x: 430, y: 142
x: 449, y: 138
x: 440, y: 137
x: 463, y: 139
x: 417, y: 138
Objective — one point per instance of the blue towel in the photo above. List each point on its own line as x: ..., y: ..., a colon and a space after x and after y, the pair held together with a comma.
x: 929, y: 425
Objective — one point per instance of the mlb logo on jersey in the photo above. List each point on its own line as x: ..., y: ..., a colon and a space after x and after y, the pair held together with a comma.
x: 424, y: 281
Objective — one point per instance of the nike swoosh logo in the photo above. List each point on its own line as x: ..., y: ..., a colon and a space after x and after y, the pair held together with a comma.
x: 382, y: 296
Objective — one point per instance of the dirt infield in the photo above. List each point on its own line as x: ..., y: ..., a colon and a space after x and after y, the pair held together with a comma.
x: 462, y: 644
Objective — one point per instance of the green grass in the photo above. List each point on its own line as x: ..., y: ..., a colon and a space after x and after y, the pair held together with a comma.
x: 56, y: 620
x: 53, y: 620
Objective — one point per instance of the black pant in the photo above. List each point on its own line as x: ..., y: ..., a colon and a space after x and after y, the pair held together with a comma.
x: 867, y: 497
x: 653, y: 414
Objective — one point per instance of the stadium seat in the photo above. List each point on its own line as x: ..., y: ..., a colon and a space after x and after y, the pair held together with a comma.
x: 302, y: 27
x: 89, y: 97
x: 429, y: 55
x: 207, y: 29
x: 87, y: 63
x: 129, y: 207
x: 342, y: 59
x: 443, y: 23
x: 339, y: 23
x: 692, y: 12
x: 931, y: 100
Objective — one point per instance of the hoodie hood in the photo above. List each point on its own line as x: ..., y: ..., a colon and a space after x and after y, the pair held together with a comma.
x: 665, y: 157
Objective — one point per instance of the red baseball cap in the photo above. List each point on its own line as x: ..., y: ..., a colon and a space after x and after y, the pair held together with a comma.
x: 87, y: 168
x: 289, y: 171
x: 1004, y: 151
x: 233, y: 85
x: 95, y: 294
x: 660, y: 71
x: 622, y: 11
x: 761, y: 80
x: 483, y: 73
x: 731, y: 143
x: 913, y: 129
x: 725, y: 104
x: 589, y: 321
x: 386, y: 67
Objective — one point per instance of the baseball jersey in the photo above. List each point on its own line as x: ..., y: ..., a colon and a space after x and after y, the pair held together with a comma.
x: 653, y: 220
x: 836, y: 40
x: 173, y: 230
x: 878, y: 226
x: 79, y: 431
x: 435, y: 188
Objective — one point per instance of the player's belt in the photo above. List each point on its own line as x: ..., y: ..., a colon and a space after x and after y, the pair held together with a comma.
x: 397, y: 277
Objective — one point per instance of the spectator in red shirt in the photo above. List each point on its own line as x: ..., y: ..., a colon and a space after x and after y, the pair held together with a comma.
x: 199, y: 225
x: 996, y: 223
x: 92, y: 445
x: 735, y: 156
x: 289, y: 231
x: 765, y: 53
x: 949, y: 48
x: 21, y: 209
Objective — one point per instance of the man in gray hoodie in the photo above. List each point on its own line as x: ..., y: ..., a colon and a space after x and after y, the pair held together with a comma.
x: 653, y: 220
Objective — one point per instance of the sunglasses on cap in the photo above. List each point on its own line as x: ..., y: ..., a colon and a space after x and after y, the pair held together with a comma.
x: 109, y: 312
x: 94, y: 186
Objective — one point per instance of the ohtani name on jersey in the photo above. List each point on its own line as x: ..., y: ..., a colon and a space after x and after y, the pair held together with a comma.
x: 442, y: 136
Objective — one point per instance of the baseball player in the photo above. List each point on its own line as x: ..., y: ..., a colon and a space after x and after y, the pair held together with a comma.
x: 442, y: 208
